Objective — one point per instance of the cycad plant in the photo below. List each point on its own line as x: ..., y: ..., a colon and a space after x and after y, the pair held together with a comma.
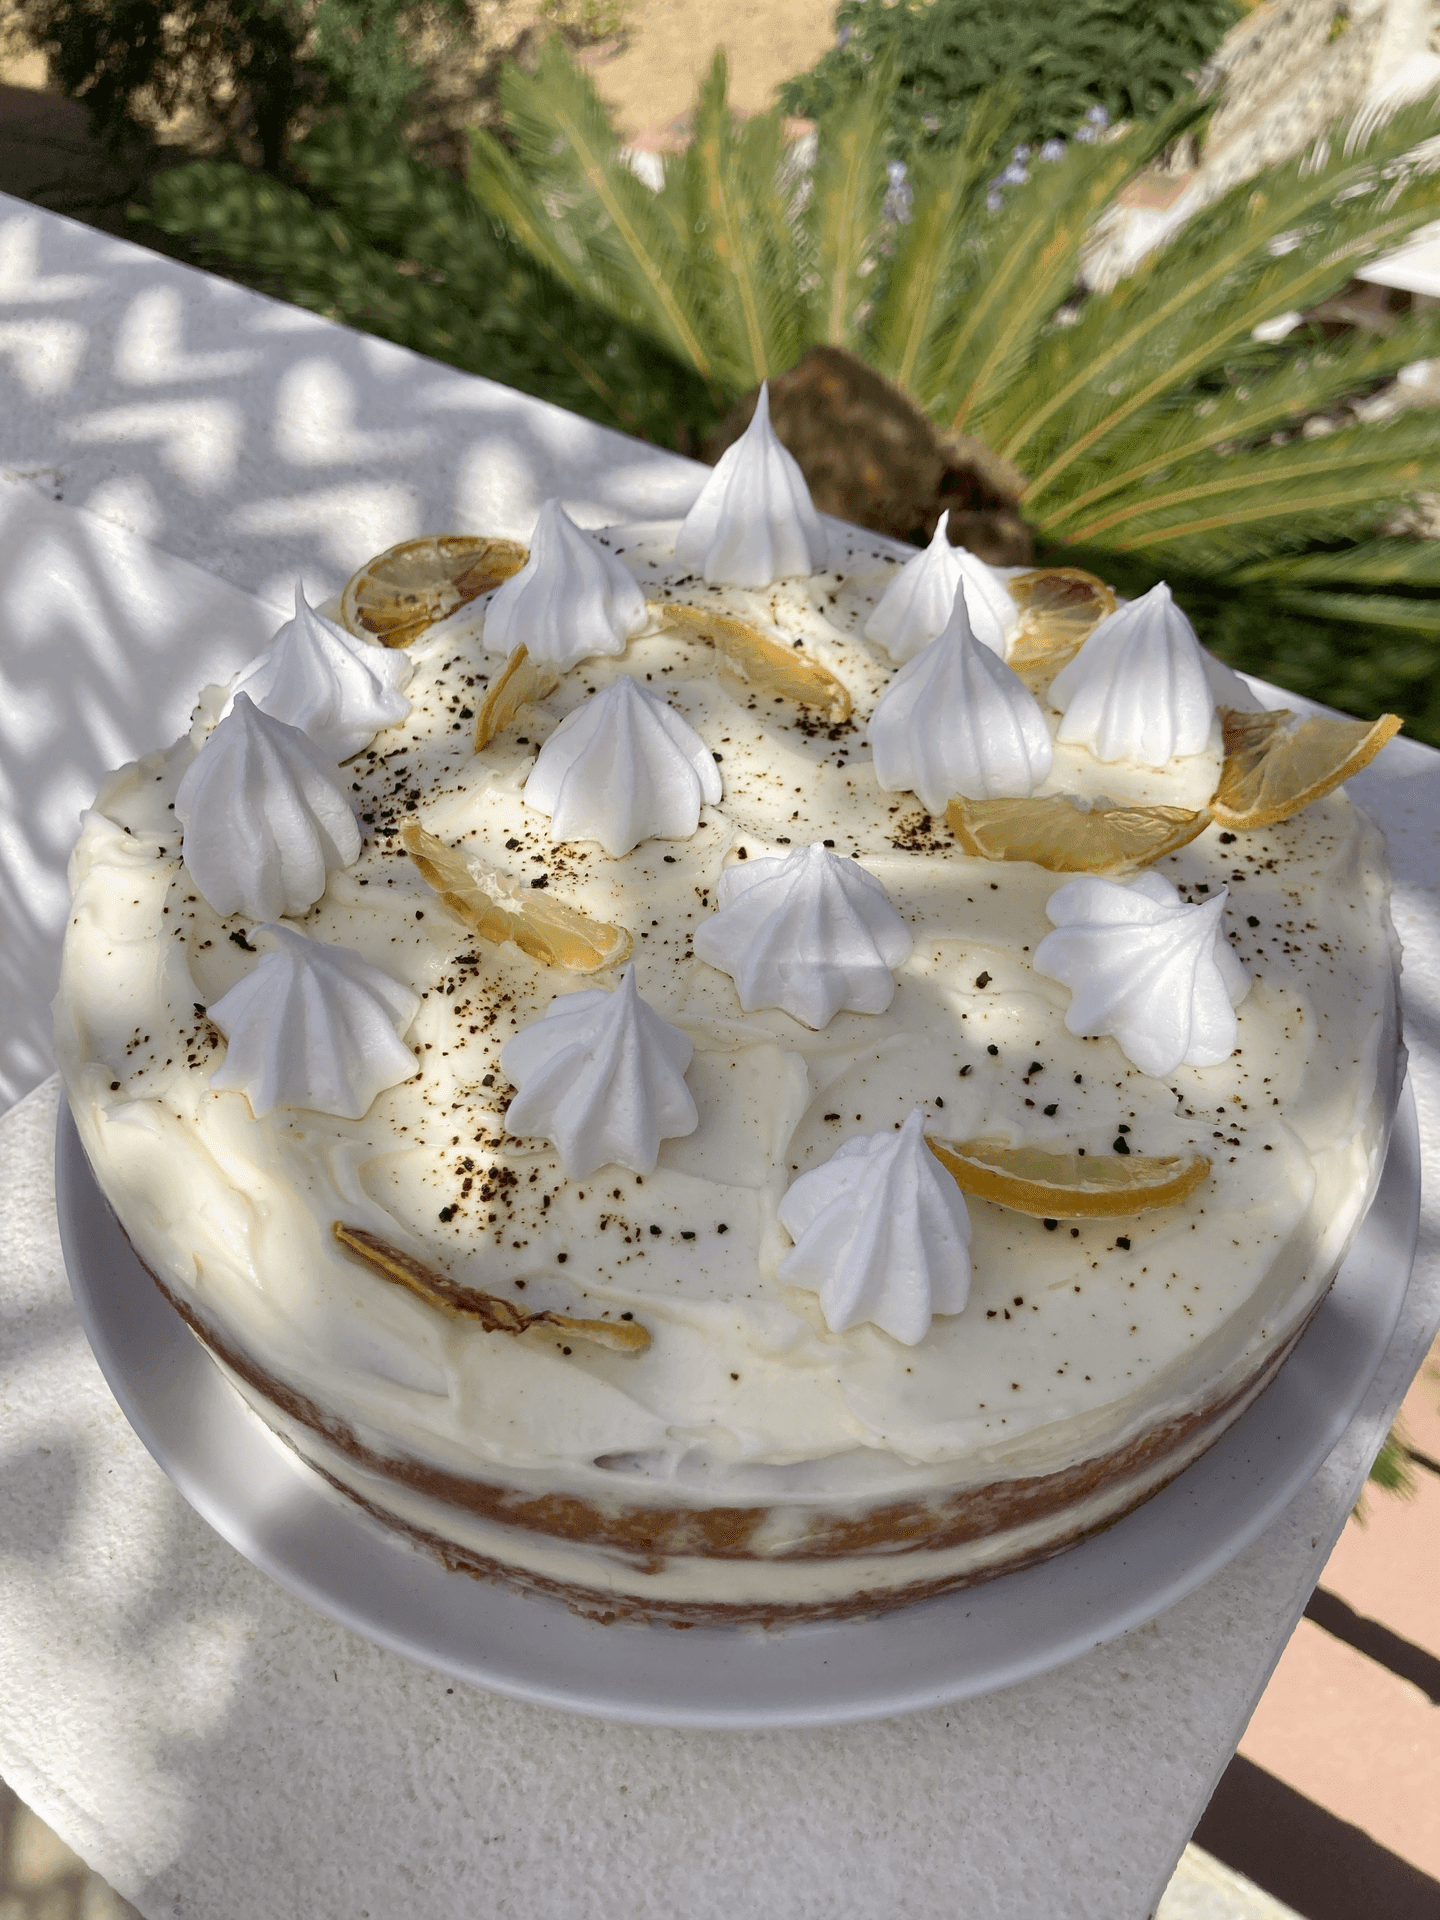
x: 1158, y: 436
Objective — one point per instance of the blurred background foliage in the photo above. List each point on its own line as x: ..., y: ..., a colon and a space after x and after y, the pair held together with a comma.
x: 385, y: 163
x: 1132, y: 58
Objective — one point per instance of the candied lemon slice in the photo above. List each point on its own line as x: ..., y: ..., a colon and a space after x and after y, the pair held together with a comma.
x: 1276, y: 764
x: 753, y: 663
x: 1058, y: 607
x: 495, y: 1313
x: 401, y: 592
x: 1070, y: 1186
x: 1063, y: 837
x: 548, y: 931
x: 521, y: 679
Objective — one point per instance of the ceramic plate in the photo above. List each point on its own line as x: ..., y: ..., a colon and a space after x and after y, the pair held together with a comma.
x: 281, y: 1516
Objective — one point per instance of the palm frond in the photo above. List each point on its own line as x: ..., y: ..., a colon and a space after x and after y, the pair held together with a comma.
x: 1302, y: 385
x: 1020, y: 265
x: 902, y: 333
x: 1224, y: 510
x: 616, y: 244
x: 1393, y: 562
x: 1393, y: 610
x: 841, y: 216
x: 742, y: 241
x: 1268, y: 246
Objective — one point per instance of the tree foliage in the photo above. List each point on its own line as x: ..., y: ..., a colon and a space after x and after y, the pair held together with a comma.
x: 1132, y: 58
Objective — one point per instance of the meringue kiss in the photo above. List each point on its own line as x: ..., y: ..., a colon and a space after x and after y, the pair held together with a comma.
x: 623, y: 768
x: 956, y: 720
x: 753, y: 521
x: 571, y: 599
x: 807, y: 932
x: 1147, y: 968
x: 265, y: 818
x: 882, y: 1233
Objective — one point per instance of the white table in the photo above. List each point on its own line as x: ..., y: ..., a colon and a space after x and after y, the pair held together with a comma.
x: 207, y: 1743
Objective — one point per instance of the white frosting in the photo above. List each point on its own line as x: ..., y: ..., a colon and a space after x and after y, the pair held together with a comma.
x: 955, y: 720
x: 1148, y: 968
x: 603, y: 1077
x: 1138, y: 689
x: 808, y: 932
x: 571, y: 599
x: 339, y: 690
x: 621, y: 769
x: 881, y: 1233
x: 916, y: 606
x: 753, y: 521
x: 313, y: 1026
x: 264, y: 816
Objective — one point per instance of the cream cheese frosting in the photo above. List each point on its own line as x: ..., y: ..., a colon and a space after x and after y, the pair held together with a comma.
x: 313, y: 1026
x: 881, y: 1233
x: 1138, y: 689
x: 623, y: 768
x: 753, y: 521
x: 745, y: 1391
x: 1152, y: 970
x: 957, y: 720
x: 265, y: 817
x: 916, y: 607
x: 808, y: 932
x: 338, y: 690
x: 571, y: 599
x: 603, y: 1076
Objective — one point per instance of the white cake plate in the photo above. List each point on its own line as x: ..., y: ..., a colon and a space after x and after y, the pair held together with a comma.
x: 265, y: 1502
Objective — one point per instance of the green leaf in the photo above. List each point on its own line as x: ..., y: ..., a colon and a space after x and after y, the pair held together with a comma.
x: 841, y: 214
x: 1390, y: 562
x: 1306, y: 489
x: 616, y: 242
x: 1304, y: 384
x: 1021, y: 265
x: 905, y: 333
x: 743, y: 242
x: 1281, y: 242
x: 1367, y: 609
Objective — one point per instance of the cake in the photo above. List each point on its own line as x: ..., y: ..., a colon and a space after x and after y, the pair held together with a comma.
x: 685, y: 1153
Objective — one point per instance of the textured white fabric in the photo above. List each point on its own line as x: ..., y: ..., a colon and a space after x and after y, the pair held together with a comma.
x: 220, y: 1752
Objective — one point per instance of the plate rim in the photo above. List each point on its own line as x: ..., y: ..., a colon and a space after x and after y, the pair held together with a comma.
x: 825, y: 1653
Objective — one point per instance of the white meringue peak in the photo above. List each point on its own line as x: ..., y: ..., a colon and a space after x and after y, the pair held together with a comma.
x: 572, y: 598
x: 313, y: 1026
x: 916, y: 606
x: 623, y: 768
x: 1138, y: 689
x: 807, y: 932
x: 339, y: 690
x: 264, y: 815
x: 602, y: 1076
x: 881, y: 1233
x: 753, y: 521
x: 955, y: 720
x: 1147, y: 968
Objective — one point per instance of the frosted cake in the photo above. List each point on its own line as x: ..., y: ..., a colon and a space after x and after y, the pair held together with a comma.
x: 610, y: 1079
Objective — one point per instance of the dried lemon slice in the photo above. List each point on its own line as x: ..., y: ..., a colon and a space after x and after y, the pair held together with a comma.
x: 1276, y: 764
x: 1058, y: 607
x: 401, y: 592
x: 548, y: 931
x: 495, y: 1313
x: 752, y: 663
x: 521, y: 679
x: 1071, y: 1186
x: 1062, y: 836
